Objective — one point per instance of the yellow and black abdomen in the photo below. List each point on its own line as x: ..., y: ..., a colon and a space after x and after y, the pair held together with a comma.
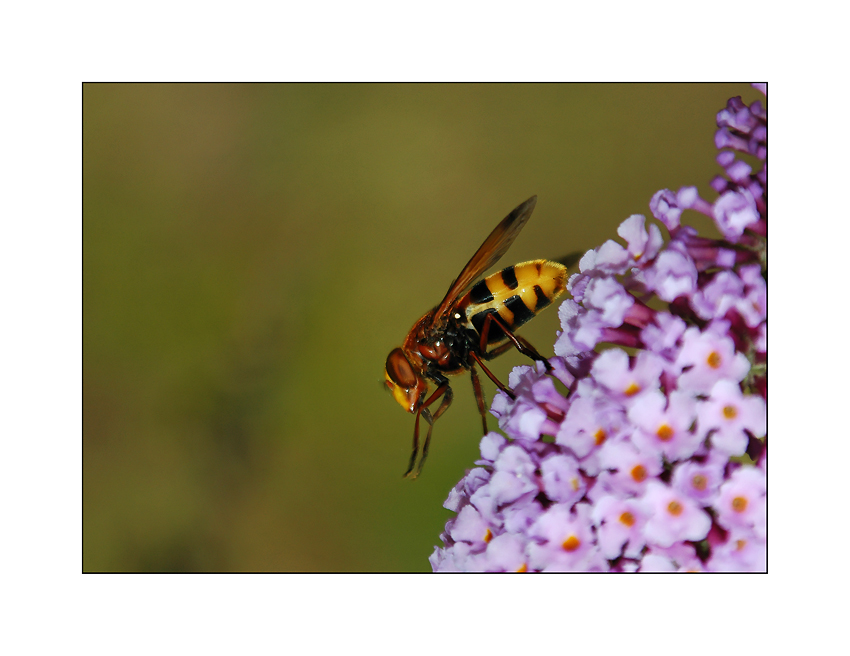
x: 517, y: 293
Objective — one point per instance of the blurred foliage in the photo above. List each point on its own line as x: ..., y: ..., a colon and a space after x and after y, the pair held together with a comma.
x: 253, y: 252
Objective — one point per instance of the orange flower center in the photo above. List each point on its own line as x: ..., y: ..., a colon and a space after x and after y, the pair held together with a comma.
x: 739, y: 504
x: 714, y: 360
x: 639, y: 473
x: 571, y: 543
x: 664, y: 432
x: 600, y: 436
x: 627, y: 518
x: 699, y: 482
x: 488, y: 536
x: 730, y: 411
x: 632, y: 389
x: 674, y: 508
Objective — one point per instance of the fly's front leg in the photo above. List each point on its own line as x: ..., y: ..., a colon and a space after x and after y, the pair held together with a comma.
x: 446, y: 392
x: 415, y: 446
x: 444, y: 404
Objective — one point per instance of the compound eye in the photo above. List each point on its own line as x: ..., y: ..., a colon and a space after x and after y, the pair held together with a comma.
x: 399, y: 369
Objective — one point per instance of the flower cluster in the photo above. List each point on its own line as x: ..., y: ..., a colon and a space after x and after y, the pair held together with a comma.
x: 650, y: 454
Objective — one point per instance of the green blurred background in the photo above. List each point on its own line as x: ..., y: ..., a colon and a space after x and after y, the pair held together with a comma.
x: 253, y: 252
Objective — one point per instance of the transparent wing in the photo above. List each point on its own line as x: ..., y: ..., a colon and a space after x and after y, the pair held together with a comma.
x: 487, y: 255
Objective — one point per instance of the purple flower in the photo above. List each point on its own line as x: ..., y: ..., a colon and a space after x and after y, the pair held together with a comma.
x: 654, y: 458
x: 627, y: 380
x: 562, y: 479
x: 564, y: 541
x: 504, y: 553
x: 609, y: 298
x: 513, y: 476
x: 679, y: 557
x: 729, y: 415
x: 665, y: 207
x: 469, y: 526
x: 734, y: 211
x: 619, y: 526
x: 627, y: 469
x: 673, y: 516
x: 753, y: 306
x: 742, y: 552
x: 708, y: 356
x: 643, y: 246
x: 720, y: 294
x: 664, y: 425
x: 517, y: 419
x: 699, y: 480
x: 591, y: 419
x: 663, y: 334
x: 741, y: 503
x: 673, y: 274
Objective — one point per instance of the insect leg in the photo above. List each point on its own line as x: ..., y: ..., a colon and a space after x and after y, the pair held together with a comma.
x: 479, y: 396
x: 415, y: 446
x: 531, y: 352
x: 423, y: 410
x: 444, y: 404
x: 522, y: 345
x: 489, y: 355
x: 490, y: 375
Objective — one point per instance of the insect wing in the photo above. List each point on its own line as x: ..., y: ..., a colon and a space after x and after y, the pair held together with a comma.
x: 487, y: 255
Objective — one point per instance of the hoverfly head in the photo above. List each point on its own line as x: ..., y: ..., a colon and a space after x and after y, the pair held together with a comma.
x: 407, y: 386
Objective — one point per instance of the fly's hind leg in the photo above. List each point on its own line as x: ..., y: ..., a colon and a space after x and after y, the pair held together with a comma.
x: 490, y: 375
x: 479, y: 396
x: 517, y: 341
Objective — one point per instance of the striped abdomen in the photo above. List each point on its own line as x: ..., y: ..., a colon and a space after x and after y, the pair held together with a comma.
x: 517, y: 293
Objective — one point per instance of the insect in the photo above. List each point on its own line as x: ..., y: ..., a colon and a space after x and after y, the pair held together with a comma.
x: 473, y: 323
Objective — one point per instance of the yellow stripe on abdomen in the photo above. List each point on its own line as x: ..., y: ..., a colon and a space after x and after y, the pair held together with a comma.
x: 540, y: 282
x: 517, y: 293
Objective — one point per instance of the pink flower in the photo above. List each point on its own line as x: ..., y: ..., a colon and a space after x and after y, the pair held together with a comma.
x: 621, y: 458
x: 728, y: 412
x: 673, y: 517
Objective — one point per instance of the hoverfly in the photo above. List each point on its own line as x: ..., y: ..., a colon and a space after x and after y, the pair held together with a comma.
x: 471, y: 324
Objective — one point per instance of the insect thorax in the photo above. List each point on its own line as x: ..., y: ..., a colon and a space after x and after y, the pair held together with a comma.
x: 444, y: 349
